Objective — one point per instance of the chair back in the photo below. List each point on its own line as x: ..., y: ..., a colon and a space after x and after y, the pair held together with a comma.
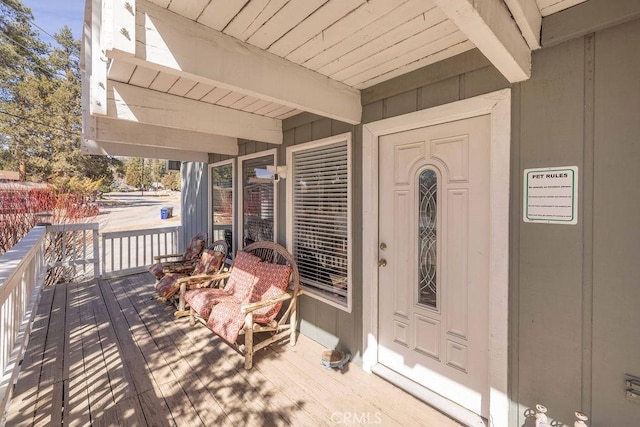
x: 196, y: 246
x: 212, y: 258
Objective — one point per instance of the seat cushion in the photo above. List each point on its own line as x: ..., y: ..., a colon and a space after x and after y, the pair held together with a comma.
x: 204, y: 299
x: 272, y: 281
x: 242, y: 276
x: 226, y: 320
x: 168, y: 285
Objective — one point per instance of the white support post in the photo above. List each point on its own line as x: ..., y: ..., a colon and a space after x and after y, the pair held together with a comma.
x: 98, y: 71
x: 124, y: 26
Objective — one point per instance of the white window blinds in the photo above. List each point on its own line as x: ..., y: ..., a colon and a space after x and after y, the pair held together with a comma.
x: 320, y: 225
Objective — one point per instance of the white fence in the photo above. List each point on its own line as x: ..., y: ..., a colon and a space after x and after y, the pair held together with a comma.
x: 22, y: 274
x: 74, y: 247
x: 130, y: 252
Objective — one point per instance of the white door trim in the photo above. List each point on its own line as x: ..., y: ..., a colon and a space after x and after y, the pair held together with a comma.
x: 498, y: 106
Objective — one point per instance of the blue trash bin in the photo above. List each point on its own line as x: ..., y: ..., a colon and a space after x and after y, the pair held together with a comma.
x: 166, y: 212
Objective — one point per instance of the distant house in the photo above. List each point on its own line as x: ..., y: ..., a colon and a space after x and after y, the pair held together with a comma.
x: 9, y: 176
x: 457, y: 179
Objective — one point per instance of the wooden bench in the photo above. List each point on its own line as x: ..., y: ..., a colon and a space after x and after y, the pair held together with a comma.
x: 262, y: 278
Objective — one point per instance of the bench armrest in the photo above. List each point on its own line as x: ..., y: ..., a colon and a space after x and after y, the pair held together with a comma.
x: 248, y: 308
x: 159, y: 257
x: 204, y: 277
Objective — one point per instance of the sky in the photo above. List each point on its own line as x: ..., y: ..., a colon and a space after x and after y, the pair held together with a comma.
x: 52, y: 15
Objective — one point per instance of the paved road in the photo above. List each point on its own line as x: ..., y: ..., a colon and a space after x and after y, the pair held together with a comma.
x: 132, y: 211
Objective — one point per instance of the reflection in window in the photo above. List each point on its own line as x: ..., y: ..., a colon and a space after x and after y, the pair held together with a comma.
x: 258, y: 199
x: 320, y: 226
x: 427, y: 234
x: 222, y: 203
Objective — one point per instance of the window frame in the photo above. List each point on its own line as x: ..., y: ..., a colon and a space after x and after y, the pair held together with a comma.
x: 310, y: 291
x: 240, y: 192
x: 233, y: 201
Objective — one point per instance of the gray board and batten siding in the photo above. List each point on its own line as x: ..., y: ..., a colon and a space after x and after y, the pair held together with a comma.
x: 574, y: 289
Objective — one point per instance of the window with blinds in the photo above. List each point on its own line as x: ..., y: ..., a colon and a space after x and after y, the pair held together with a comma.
x: 320, y: 207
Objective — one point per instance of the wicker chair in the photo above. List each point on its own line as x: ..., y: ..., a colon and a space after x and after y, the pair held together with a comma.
x: 175, y: 262
x: 203, y: 273
x: 262, y: 277
x: 217, y: 246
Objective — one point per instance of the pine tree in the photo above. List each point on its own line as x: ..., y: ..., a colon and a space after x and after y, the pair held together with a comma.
x: 40, y: 111
x: 21, y: 50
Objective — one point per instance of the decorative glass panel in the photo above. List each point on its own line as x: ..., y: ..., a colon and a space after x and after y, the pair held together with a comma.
x: 222, y: 203
x: 427, y: 234
x: 258, y: 199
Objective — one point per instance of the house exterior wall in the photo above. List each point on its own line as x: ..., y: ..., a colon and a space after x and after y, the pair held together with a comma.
x: 573, y: 288
x: 194, y: 199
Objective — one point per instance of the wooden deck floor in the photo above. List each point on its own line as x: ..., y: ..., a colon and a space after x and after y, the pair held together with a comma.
x: 106, y: 353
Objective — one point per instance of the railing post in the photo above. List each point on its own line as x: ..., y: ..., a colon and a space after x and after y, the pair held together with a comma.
x: 96, y: 253
x: 104, y: 255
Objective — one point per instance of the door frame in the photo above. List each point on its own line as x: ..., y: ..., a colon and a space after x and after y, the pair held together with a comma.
x: 498, y: 106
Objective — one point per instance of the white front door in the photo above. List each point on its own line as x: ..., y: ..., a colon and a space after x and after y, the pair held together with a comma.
x: 434, y: 258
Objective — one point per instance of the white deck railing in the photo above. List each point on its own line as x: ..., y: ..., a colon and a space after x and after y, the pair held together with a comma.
x: 23, y: 270
x: 74, y: 245
x: 130, y: 252
x: 22, y: 274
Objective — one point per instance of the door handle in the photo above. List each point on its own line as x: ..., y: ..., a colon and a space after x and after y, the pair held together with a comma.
x: 382, y: 262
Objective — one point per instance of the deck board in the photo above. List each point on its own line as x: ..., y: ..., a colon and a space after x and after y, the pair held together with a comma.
x: 105, y: 352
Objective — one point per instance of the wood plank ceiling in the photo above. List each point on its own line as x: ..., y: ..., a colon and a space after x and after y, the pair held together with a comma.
x: 357, y: 42
x: 352, y: 43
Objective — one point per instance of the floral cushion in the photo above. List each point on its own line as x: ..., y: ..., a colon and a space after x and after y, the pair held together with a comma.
x: 272, y: 281
x: 168, y: 285
x: 242, y: 276
x: 202, y: 300
x: 226, y: 320
x: 156, y: 270
x: 195, y: 247
x: 210, y: 262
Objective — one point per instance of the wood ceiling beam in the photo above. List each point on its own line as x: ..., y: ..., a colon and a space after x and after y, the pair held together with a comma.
x: 173, y: 44
x: 136, y: 104
x: 529, y: 20
x: 145, y: 135
x: 489, y: 26
x: 587, y: 17
x: 106, y: 148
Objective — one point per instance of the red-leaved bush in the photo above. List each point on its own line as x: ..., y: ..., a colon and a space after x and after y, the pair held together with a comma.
x: 21, y: 204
